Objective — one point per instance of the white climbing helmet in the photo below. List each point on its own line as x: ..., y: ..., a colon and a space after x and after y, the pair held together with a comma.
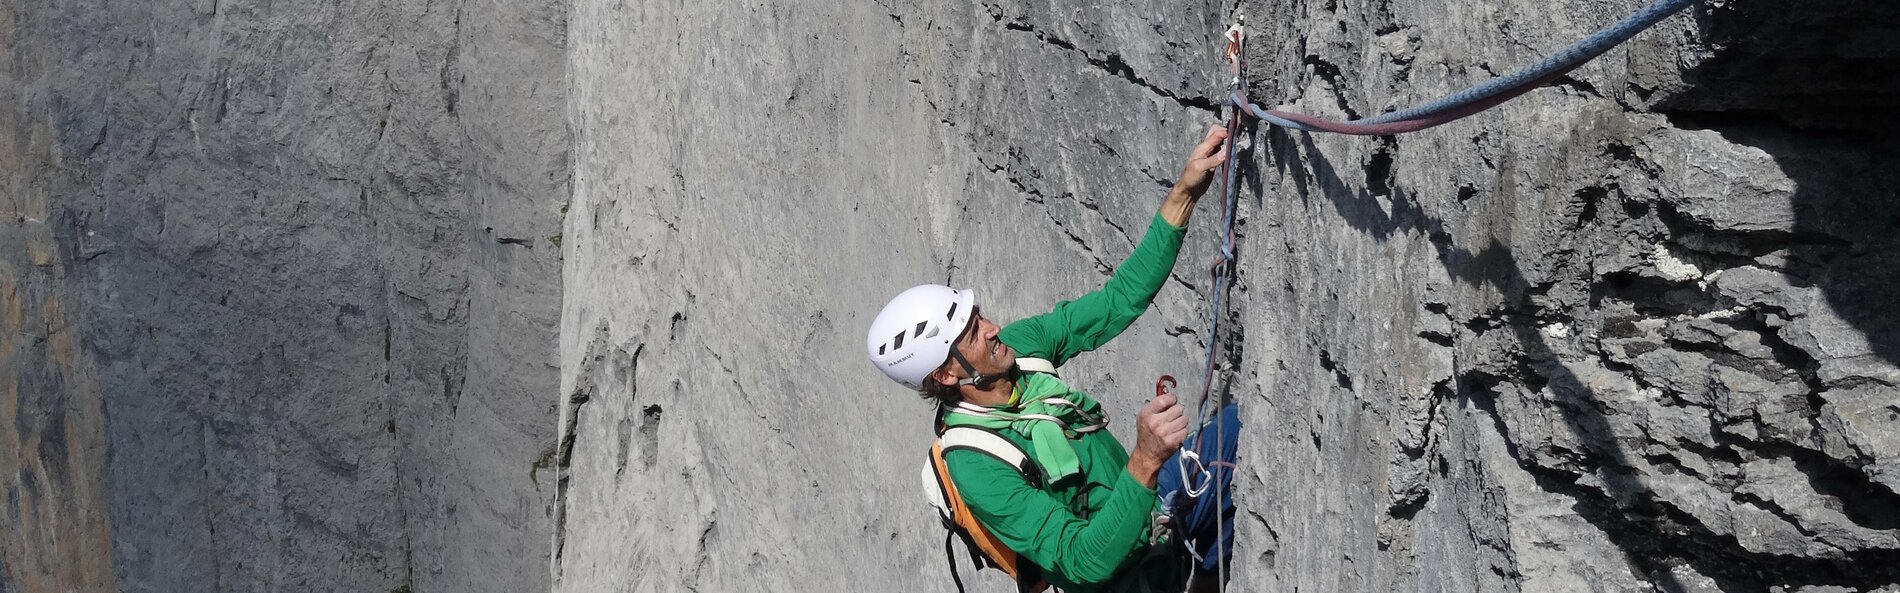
x: 913, y: 335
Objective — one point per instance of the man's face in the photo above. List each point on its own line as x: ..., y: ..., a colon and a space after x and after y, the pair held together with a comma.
x: 978, y: 344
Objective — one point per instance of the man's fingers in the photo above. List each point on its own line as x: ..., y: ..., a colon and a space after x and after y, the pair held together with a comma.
x: 1162, y: 423
x: 1161, y: 402
x: 1211, y: 163
x: 1170, y: 408
x: 1178, y: 423
x: 1216, y: 132
x: 1215, y: 136
x: 1209, y: 147
x: 1165, y: 421
x: 1173, y: 439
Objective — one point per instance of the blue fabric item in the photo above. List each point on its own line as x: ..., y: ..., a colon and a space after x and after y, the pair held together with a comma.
x: 1207, y: 521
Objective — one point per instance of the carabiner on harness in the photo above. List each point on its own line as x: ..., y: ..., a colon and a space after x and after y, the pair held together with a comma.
x: 1164, y: 386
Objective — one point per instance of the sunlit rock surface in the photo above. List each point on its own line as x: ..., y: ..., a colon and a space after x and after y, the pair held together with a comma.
x: 431, y: 297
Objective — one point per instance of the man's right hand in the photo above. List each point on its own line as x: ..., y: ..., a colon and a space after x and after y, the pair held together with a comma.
x: 1160, y: 428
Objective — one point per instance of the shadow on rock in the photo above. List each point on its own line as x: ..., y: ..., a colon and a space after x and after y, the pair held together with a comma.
x: 1656, y: 535
x: 1813, y: 83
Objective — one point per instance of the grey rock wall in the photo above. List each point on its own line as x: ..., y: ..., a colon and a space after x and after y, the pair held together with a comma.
x: 1624, y: 333
x: 751, y: 183
x: 279, y: 286
x: 284, y: 316
x: 54, y: 530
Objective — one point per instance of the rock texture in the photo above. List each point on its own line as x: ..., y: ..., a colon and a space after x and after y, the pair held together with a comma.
x: 1621, y: 334
x: 280, y: 293
x: 752, y: 182
x: 1624, y: 333
x: 379, y: 295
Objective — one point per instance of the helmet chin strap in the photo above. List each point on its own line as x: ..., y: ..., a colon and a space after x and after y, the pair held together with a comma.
x: 974, y: 378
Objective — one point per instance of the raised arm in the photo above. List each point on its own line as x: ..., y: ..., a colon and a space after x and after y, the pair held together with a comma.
x: 1084, y: 324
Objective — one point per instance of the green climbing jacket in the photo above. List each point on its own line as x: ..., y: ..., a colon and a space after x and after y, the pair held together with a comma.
x: 1110, y: 550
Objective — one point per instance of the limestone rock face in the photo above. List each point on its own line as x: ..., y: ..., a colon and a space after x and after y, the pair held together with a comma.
x: 378, y: 295
x: 1608, y: 336
x: 1623, y: 333
x: 752, y: 182
x: 280, y: 294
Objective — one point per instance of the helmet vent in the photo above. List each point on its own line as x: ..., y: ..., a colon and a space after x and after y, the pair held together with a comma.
x: 898, y: 343
x: 953, y: 312
x: 920, y: 329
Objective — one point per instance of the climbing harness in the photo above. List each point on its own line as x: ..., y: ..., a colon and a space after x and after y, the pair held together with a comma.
x: 1074, y: 418
x: 959, y: 522
x: 985, y: 549
x: 1477, y: 98
x: 1043, y: 409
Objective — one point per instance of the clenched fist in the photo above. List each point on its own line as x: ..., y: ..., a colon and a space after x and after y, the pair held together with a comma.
x: 1160, y: 428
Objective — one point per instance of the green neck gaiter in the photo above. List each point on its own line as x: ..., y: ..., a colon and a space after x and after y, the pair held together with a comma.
x: 1047, y: 413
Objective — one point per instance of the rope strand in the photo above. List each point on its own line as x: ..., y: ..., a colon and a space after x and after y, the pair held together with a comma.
x: 1450, y: 108
x: 1480, y: 97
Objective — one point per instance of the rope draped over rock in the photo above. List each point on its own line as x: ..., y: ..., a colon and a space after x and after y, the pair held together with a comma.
x: 1450, y: 108
x: 1477, y: 98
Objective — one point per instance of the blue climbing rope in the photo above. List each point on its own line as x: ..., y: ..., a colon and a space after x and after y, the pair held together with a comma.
x: 1221, y: 259
x: 1221, y: 270
x: 1480, y: 97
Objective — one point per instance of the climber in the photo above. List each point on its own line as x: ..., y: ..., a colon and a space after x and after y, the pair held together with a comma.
x: 1096, y: 520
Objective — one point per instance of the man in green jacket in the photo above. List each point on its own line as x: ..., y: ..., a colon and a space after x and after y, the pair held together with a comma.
x: 1088, y: 524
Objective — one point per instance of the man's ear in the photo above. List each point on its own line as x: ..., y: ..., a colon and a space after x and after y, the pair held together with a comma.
x: 943, y: 377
